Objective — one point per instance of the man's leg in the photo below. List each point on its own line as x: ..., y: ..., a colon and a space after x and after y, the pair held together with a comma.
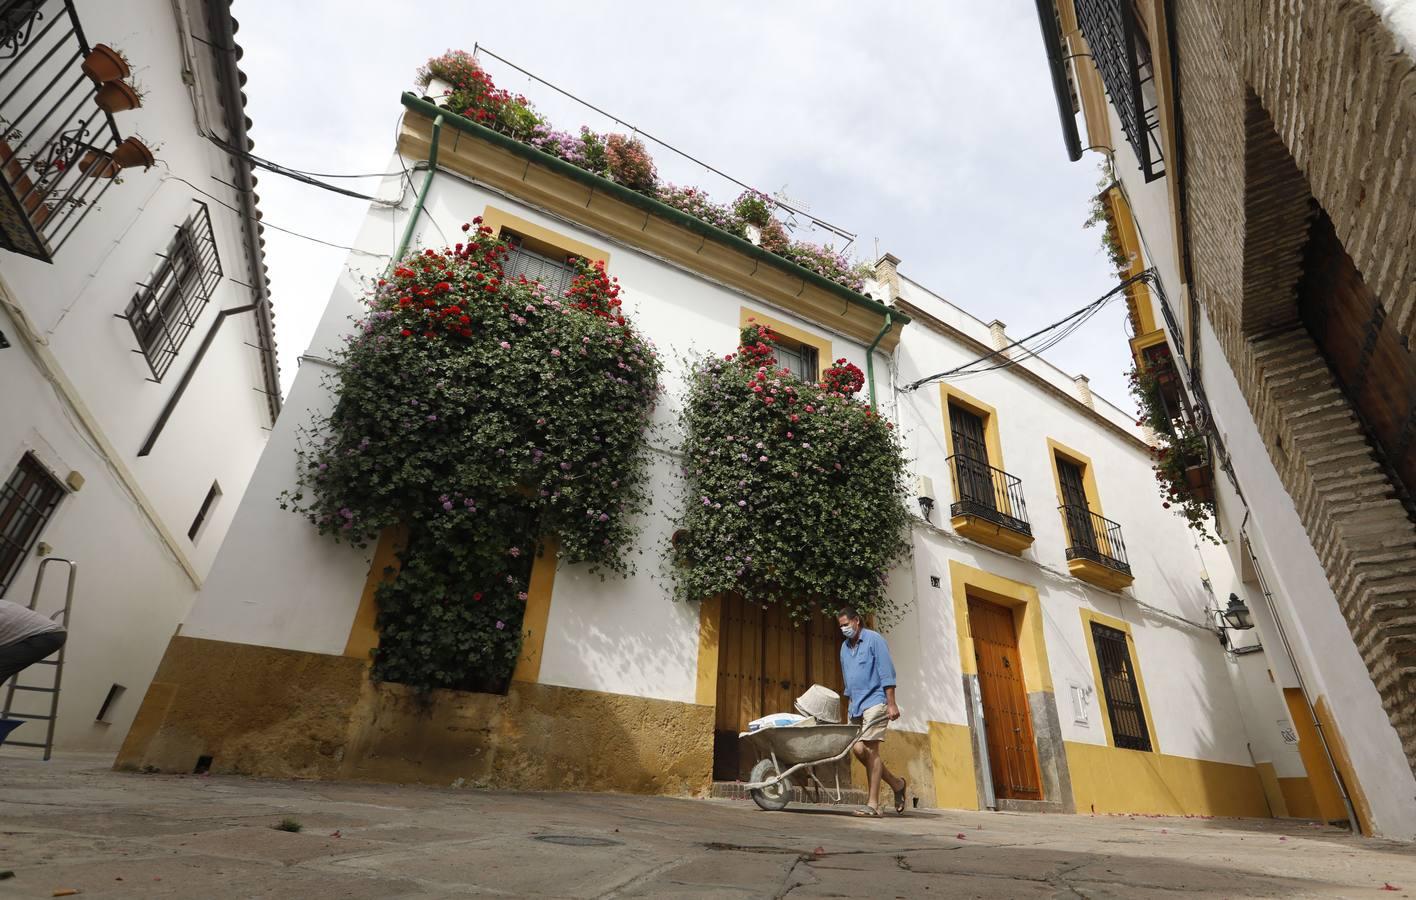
x: 31, y: 650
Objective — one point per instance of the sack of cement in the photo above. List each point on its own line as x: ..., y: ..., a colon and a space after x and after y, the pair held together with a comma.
x: 776, y: 720
x: 820, y: 703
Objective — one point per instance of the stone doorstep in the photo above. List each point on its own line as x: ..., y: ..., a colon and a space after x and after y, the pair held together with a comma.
x: 1030, y: 806
x: 734, y: 790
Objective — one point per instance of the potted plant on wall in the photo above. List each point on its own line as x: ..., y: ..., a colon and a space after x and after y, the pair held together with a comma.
x: 118, y: 96
x: 133, y: 152
x: 1183, y: 469
x: 104, y: 64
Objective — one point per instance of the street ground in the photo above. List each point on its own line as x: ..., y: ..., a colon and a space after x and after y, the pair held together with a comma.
x: 74, y: 825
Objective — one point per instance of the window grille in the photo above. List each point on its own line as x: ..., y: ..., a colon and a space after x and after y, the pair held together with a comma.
x: 165, y: 310
x: 26, y: 502
x: 553, y: 275
x: 1123, y: 58
x: 1118, y: 684
x: 800, y: 360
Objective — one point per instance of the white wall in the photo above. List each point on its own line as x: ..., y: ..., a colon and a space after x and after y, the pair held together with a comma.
x: 132, y: 591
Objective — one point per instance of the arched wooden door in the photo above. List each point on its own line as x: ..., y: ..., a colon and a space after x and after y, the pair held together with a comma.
x: 766, y: 661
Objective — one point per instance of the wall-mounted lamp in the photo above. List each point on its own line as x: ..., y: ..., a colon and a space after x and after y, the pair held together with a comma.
x: 924, y: 488
x: 1234, y: 617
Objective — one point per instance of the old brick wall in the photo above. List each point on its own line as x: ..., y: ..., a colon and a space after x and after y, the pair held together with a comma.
x: 1284, y: 103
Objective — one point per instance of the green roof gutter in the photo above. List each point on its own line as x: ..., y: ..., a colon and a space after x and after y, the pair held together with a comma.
x: 648, y: 204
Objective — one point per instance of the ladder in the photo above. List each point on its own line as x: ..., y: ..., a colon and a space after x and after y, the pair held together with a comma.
x: 55, y: 664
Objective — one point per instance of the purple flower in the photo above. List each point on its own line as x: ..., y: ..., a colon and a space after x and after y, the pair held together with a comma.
x: 555, y: 353
x: 447, y: 505
x: 505, y: 345
x: 742, y: 503
x: 521, y: 596
x: 500, y: 625
x: 604, y: 517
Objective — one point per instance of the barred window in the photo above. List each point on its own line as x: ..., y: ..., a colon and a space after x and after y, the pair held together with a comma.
x: 165, y: 310
x: 1118, y: 684
x: 554, y: 275
x: 27, y: 501
x: 800, y: 359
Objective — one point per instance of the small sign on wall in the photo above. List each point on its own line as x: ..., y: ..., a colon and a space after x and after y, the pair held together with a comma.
x: 1286, y: 730
x: 1079, y: 703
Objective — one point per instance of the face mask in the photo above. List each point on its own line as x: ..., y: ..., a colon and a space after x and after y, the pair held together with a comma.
x: 848, y: 631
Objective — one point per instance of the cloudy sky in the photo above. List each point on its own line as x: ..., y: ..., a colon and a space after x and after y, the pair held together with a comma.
x: 926, y: 128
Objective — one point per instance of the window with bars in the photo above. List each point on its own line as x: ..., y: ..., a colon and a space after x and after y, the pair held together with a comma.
x: 1119, y: 686
x: 799, y: 359
x: 555, y: 275
x: 27, y: 501
x: 165, y: 310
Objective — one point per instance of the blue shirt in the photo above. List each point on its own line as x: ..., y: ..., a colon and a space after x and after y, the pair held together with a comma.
x: 867, y: 670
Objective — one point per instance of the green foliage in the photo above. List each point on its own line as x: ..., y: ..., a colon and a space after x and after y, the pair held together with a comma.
x: 796, y: 494
x: 1100, y: 214
x: 753, y: 207
x: 482, y: 416
x: 1181, y: 455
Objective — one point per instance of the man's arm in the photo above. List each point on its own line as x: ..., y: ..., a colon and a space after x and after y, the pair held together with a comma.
x: 885, y: 668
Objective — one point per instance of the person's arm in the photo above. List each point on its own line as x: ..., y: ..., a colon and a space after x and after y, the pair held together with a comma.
x: 885, y: 668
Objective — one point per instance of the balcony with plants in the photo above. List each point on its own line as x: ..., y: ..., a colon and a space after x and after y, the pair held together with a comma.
x: 1183, y: 464
x: 60, y: 147
x: 458, y: 84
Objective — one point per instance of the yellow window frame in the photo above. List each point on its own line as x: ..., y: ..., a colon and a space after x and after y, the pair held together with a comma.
x: 791, y: 335
x: 1088, y: 617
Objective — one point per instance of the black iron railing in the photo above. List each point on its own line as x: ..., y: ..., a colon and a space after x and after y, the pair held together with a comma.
x: 989, y: 493
x: 56, y: 143
x: 1094, y: 537
x: 164, y: 311
x: 1123, y: 59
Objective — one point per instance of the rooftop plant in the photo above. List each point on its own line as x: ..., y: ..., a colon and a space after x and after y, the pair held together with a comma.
x: 427, y: 436
x: 796, y: 491
x: 625, y: 160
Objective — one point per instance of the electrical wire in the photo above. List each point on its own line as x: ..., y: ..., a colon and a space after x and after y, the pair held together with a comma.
x: 296, y: 174
x: 265, y: 224
x: 1057, y: 332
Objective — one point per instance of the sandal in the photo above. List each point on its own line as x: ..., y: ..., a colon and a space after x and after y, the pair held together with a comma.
x: 900, y: 797
x: 867, y: 812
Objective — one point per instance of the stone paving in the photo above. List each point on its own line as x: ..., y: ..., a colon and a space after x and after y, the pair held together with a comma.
x: 74, y: 825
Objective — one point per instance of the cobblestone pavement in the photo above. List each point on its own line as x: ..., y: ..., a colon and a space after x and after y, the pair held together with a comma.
x: 72, y: 824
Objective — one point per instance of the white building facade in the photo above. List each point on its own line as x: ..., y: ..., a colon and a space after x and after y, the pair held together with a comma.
x: 1119, y: 679
x: 139, y: 362
x: 1302, y: 511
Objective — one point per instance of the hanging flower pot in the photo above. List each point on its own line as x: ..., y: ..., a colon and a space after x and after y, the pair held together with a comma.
x: 117, y: 96
x: 1197, y: 475
x: 99, y: 165
x: 104, y: 64
x: 133, y: 152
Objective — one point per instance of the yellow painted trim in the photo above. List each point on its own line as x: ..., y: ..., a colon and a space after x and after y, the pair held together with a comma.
x: 1027, y: 611
x: 709, y: 621
x: 1273, y: 790
x: 1108, y: 780
x: 1300, y: 802
x: 1088, y: 617
x: 363, y: 631
x: 538, y: 611
x: 1090, y: 90
x: 948, y: 393
x: 1057, y: 449
x: 497, y: 219
x: 1338, y: 746
x: 1099, y: 574
x: 1327, y: 796
x: 1138, y: 296
x: 991, y: 534
x: 822, y: 345
x: 951, y: 756
x: 1143, y: 341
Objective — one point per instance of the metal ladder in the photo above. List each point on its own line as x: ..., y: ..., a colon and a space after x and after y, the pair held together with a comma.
x: 56, y: 662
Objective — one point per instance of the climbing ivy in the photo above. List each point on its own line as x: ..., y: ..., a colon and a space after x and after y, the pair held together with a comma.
x: 481, y: 415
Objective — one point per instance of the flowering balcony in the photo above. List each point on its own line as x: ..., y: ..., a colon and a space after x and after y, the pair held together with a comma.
x: 1095, y: 550
x: 57, y: 144
x: 989, y: 507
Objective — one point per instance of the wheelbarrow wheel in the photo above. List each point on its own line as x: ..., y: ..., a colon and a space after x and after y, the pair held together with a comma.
x: 769, y: 798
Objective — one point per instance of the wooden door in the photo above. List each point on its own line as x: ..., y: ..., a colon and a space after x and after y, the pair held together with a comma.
x: 973, y: 478
x: 1012, y: 754
x: 765, y: 661
x: 1074, y: 498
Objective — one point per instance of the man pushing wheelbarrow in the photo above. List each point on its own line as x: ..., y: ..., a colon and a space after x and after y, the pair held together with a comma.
x: 870, y: 683
x: 816, y: 740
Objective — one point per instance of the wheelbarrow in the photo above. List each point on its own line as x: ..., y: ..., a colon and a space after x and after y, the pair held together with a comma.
x: 795, y: 747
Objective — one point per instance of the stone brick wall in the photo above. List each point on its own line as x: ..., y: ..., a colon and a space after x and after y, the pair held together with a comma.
x: 1284, y: 104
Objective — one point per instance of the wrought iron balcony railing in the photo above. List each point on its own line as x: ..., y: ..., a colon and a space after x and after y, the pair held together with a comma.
x: 1094, y: 537
x: 1123, y: 58
x: 989, y: 493
x: 56, y: 143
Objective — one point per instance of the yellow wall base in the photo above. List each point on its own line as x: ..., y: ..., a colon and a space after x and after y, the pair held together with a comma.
x: 907, y: 754
x: 952, y: 756
x: 1110, y: 780
x: 288, y: 714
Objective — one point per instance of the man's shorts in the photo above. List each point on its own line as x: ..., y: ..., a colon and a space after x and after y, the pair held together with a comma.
x: 876, y: 719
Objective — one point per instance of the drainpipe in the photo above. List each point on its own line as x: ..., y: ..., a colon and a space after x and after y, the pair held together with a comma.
x: 422, y: 196
x: 870, y: 358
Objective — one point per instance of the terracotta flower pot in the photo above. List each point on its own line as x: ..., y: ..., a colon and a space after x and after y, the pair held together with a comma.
x: 104, y: 64
x: 133, y: 152
x: 117, y: 96
x: 99, y: 165
x: 1197, y: 476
